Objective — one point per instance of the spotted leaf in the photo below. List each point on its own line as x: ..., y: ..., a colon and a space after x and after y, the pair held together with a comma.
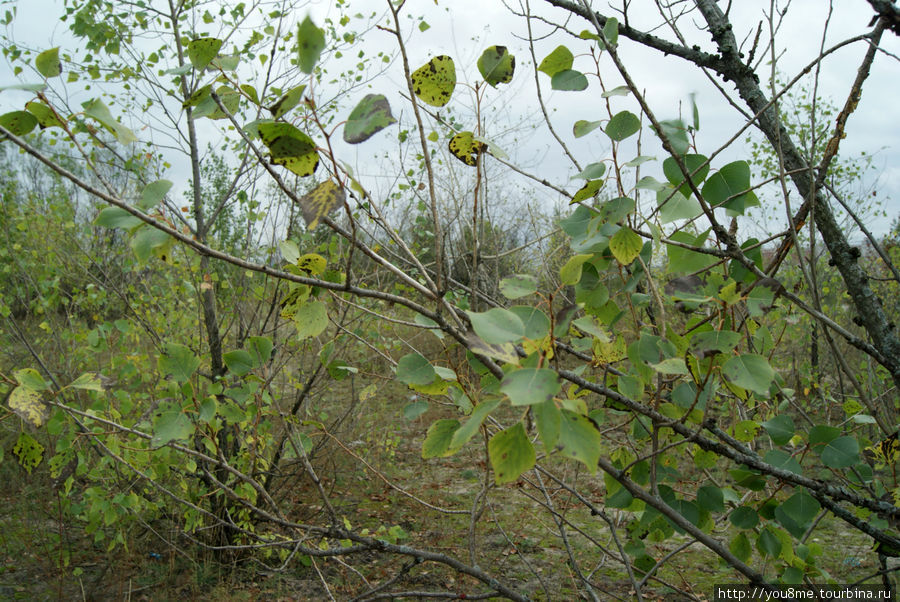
x: 465, y: 148
x: 19, y: 122
x: 47, y: 63
x: 319, y: 202
x: 435, y: 81
x: 45, y: 116
x: 287, y: 102
x: 371, y: 115
x: 289, y: 147
x: 497, y: 65
x: 203, y: 50
x: 28, y: 405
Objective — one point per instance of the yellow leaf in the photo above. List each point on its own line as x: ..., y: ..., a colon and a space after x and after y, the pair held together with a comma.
x: 29, y: 406
x: 319, y: 202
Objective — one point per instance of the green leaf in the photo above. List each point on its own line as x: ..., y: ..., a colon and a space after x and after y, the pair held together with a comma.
x: 228, y: 97
x: 528, y: 386
x: 89, y: 381
x: 674, y: 206
x: 560, y: 59
x: 435, y: 81
x: 711, y: 498
x: 697, y: 165
x: 721, y: 341
x: 287, y: 102
x: 414, y: 369
x: 462, y: 435
x: 783, y: 460
x: 464, y: 147
x: 370, y: 116
x: 592, y: 172
x: 547, y: 418
x: 746, y: 430
x: 32, y: 379
x: 497, y: 326
x: 730, y: 188
x: 780, y: 428
x: 208, y: 409
x: 48, y: 64
x: 611, y: 31
x: 583, y: 128
x: 28, y: 404
x: 820, y: 435
x: 749, y: 371
x: 437, y: 440
x: 148, y: 240
x: 579, y: 439
x: 841, y: 452
x: 497, y: 65
x: 261, y: 349
x: 676, y: 134
x: 511, y: 454
x: 311, y: 319
x: 537, y: 324
x: 740, y: 547
x: 289, y: 251
x: 310, y: 44
x: 178, y: 361
x: 685, y: 261
x: 198, y: 96
x: 19, y: 123
x: 672, y: 365
x: 744, y: 517
x: 797, y: 513
x: 289, y: 147
x: 116, y: 217
x: 570, y: 273
x: 769, y: 543
x: 569, y: 80
x: 45, y: 116
x: 171, y: 424
x: 622, y: 125
x: 589, y: 190
x: 517, y: 286
x: 226, y: 63
x: 589, y: 325
x: 202, y: 50
x: 99, y: 111
x: 153, y: 193
x: 626, y: 245
x: 239, y: 362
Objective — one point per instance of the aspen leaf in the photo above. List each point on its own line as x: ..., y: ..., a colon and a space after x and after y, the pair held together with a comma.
x: 310, y: 44
x: 371, y: 115
x: 28, y: 405
x: 464, y: 147
x: 319, y: 202
x: 48, y: 64
x: 497, y: 65
x: 203, y: 50
x: 435, y: 81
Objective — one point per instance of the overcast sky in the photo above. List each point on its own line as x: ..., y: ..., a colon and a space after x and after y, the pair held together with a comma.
x: 462, y: 28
